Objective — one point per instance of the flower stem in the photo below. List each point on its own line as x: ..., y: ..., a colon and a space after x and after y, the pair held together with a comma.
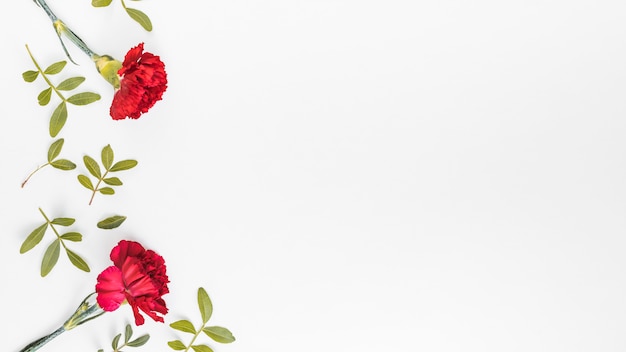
x: 61, y: 28
x: 37, y: 344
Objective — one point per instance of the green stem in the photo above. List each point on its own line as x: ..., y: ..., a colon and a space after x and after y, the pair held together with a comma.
x: 95, y: 189
x: 44, y: 75
x: 195, y: 337
x: 32, y: 173
x: 53, y: 229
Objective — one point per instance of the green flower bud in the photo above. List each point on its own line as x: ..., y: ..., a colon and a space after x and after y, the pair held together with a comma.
x: 108, y: 67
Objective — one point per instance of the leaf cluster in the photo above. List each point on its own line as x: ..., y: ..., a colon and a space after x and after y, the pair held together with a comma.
x: 106, y: 156
x: 128, y: 333
x: 53, y: 153
x: 51, y: 256
x: 217, y: 333
x: 59, y: 115
x: 135, y: 14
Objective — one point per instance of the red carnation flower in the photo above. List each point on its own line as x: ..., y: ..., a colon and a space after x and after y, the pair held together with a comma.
x: 138, y: 277
x: 142, y: 83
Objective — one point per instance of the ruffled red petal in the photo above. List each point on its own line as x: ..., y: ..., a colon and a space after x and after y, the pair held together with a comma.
x: 110, y: 289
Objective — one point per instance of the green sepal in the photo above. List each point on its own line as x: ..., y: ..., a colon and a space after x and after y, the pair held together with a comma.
x: 34, y: 238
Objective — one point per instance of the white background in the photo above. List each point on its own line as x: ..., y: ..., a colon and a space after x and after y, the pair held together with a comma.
x: 339, y: 175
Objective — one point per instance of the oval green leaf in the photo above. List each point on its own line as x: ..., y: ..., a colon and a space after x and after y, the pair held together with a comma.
x: 111, y: 222
x: 51, y: 257
x: 83, y: 98
x: 116, y: 341
x: 85, y: 181
x: 70, y: 83
x: 101, y: 3
x: 107, y: 190
x: 176, y: 345
x: 141, y: 18
x: 219, y: 334
x: 72, y: 236
x: 63, y: 221
x: 140, y: 341
x: 201, y: 348
x: 107, y: 156
x: 113, y: 181
x: 58, y: 118
x: 34, y: 238
x: 44, y: 97
x: 77, y: 261
x: 128, y: 333
x: 30, y: 76
x: 63, y: 164
x: 92, y: 166
x: 124, y: 165
x: 184, y: 326
x: 55, y: 149
x: 205, y: 305
x: 55, y: 68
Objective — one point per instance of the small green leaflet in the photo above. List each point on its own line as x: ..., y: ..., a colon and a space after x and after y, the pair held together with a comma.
x: 176, y: 345
x: 205, y: 305
x: 70, y: 83
x: 77, y: 260
x: 34, y: 238
x: 219, y: 334
x: 83, y: 98
x: 30, y: 76
x: 55, y: 149
x: 58, y: 118
x: 51, y: 257
x: 100, y: 3
x: 44, y: 97
x: 111, y: 222
x: 63, y: 164
x: 124, y: 165
x: 55, y: 68
x: 201, y: 348
x: 184, y: 326
x: 140, y: 18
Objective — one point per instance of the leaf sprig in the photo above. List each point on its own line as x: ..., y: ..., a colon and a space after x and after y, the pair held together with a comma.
x: 128, y: 333
x: 51, y: 256
x: 59, y: 115
x: 135, y: 14
x: 217, y: 333
x: 93, y: 167
x: 53, y: 152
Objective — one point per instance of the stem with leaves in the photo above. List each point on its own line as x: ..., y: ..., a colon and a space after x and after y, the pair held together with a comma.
x: 53, y: 152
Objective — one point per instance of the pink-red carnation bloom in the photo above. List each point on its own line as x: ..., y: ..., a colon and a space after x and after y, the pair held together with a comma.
x: 142, y: 83
x: 138, y: 277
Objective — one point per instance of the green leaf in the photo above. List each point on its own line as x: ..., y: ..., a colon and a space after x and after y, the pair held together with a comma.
x: 140, y: 341
x: 77, y: 260
x: 128, y: 333
x: 70, y: 83
x: 63, y: 221
x: 124, y: 165
x: 219, y: 334
x: 55, y: 68
x: 205, y: 305
x: 176, y: 345
x: 112, y: 181
x: 107, y: 190
x: 116, y: 341
x: 63, y: 164
x: 92, y: 166
x: 101, y: 3
x: 107, y: 156
x: 201, y: 348
x: 58, y: 118
x: 30, y: 76
x: 51, y: 257
x: 83, y: 98
x: 141, y: 18
x: 72, y: 236
x: 85, y: 181
x: 34, y: 238
x: 55, y: 149
x: 184, y: 326
x: 111, y: 222
x: 44, y: 97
